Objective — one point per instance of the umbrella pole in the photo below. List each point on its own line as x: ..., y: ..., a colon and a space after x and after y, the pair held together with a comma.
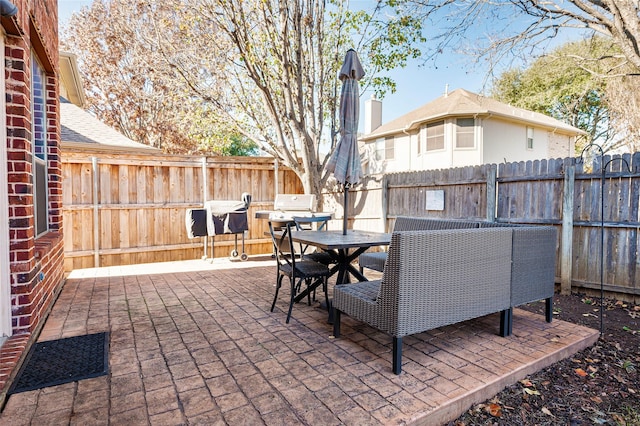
x: 346, y: 208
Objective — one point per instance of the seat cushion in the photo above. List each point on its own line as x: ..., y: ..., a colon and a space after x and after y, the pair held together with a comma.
x: 375, y: 260
x: 366, y: 290
x: 306, y: 268
x: 320, y: 257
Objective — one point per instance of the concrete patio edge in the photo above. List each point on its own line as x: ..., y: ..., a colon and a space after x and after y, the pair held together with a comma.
x: 458, y: 405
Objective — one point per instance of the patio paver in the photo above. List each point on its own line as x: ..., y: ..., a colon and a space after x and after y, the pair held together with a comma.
x: 194, y: 343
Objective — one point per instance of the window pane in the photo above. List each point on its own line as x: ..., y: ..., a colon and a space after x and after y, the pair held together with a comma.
x: 380, y: 149
x: 38, y: 114
x: 465, y: 128
x: 435, y: 136
x: 529, y: 137
x: 389, y: 152
x: 39, y: 131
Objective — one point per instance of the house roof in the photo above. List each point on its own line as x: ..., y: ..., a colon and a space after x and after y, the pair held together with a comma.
x: 461, y: 102
x: 80, y: 129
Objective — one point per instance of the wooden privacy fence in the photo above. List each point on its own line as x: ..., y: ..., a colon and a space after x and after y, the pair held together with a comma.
x: 560, y: 192
x: 123, y: 208
x: 130, y: 208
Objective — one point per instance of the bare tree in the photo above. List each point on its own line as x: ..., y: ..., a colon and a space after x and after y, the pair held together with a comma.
x: 131, y: 86
x: 624, y: 105
x: 507, y: 30
x: 126, y: 86
x: 270, y: 67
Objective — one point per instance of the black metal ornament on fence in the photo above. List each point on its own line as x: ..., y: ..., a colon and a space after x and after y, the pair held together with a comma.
x: 603, y: 171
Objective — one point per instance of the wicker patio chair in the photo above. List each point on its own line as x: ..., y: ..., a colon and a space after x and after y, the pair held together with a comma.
x: 298, y: 271
x: 432, y: 279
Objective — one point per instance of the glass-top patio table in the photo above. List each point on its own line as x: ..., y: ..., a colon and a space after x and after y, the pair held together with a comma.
x: 344, y: 249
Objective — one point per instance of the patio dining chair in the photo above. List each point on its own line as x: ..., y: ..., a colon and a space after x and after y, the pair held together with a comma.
x: 299, y: 271
x: 308, y: 252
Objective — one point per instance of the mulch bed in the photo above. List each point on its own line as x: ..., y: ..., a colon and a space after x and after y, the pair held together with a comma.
x: 599, y: 385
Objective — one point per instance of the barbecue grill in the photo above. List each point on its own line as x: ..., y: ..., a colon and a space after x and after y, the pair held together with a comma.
x: 288, y: 206
x: 220, y: 217
x: 298, y: 206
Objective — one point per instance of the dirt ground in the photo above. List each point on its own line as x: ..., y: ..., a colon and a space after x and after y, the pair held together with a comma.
x: 598, y: 386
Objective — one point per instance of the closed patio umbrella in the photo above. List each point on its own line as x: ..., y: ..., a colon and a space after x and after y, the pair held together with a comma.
x: 345, y: 160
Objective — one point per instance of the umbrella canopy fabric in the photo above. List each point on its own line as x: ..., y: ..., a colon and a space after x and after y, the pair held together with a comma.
x: 345, y: 160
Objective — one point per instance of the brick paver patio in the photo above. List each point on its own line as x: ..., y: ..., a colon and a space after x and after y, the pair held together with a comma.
x: 194, y: 343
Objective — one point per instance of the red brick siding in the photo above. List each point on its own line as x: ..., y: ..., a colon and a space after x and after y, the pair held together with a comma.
x: 36, y: 262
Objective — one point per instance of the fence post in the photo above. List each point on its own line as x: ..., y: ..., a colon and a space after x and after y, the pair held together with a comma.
x: 96, y: 219
x: 566, y: 244
x: 204, y: 200
x: 385, y: 203
x: 492, y: 181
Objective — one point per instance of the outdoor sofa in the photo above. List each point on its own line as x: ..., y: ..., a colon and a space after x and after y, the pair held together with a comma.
x: 534, y: 257
x: 434, y: 278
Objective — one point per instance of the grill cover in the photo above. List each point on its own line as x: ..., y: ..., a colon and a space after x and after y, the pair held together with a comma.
x: 196, y: 222
x: 219, y: 217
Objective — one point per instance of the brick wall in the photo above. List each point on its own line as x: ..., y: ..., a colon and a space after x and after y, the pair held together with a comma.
x: 36, y: 262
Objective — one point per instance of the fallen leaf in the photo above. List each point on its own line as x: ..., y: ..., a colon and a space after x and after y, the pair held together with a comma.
x: 494, y: 409
x: 619, y: 379
x: 531, y: 391
x: 618, y: 419
x: 577, y: 361
x: 580, y: 372
x: 547, y: 412
x: 526, y: 383
x: 633, y: 391
x: 596, y: 399
x: 592, y: 369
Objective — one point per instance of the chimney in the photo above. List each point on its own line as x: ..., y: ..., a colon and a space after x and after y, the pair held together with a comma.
x: 372, y: 114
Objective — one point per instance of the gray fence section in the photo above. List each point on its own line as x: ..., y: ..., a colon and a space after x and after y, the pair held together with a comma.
x: 565, y: 193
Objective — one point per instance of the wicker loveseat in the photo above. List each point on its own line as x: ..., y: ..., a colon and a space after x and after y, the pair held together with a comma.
x: 434, y: 278
x: 534, y: 257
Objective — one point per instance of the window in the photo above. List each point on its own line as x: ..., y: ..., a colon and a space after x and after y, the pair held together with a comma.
x: 389, y: 144
x: 465, y: 131
x: 435, y: 136
x: 419, y: 141
x: 39, y: 136
x: 529, y: 138
x: 385, y: 149
x: 380, y: 150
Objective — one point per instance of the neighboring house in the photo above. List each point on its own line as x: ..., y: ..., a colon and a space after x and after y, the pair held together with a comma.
x: 460, y: 129
x: 31, y: 244
x: 80, y: 130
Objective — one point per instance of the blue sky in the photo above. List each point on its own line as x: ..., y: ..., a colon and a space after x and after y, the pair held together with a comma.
x: 416, y: 85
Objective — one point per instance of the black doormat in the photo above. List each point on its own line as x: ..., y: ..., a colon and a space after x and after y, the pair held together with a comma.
x: 56, y: 362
